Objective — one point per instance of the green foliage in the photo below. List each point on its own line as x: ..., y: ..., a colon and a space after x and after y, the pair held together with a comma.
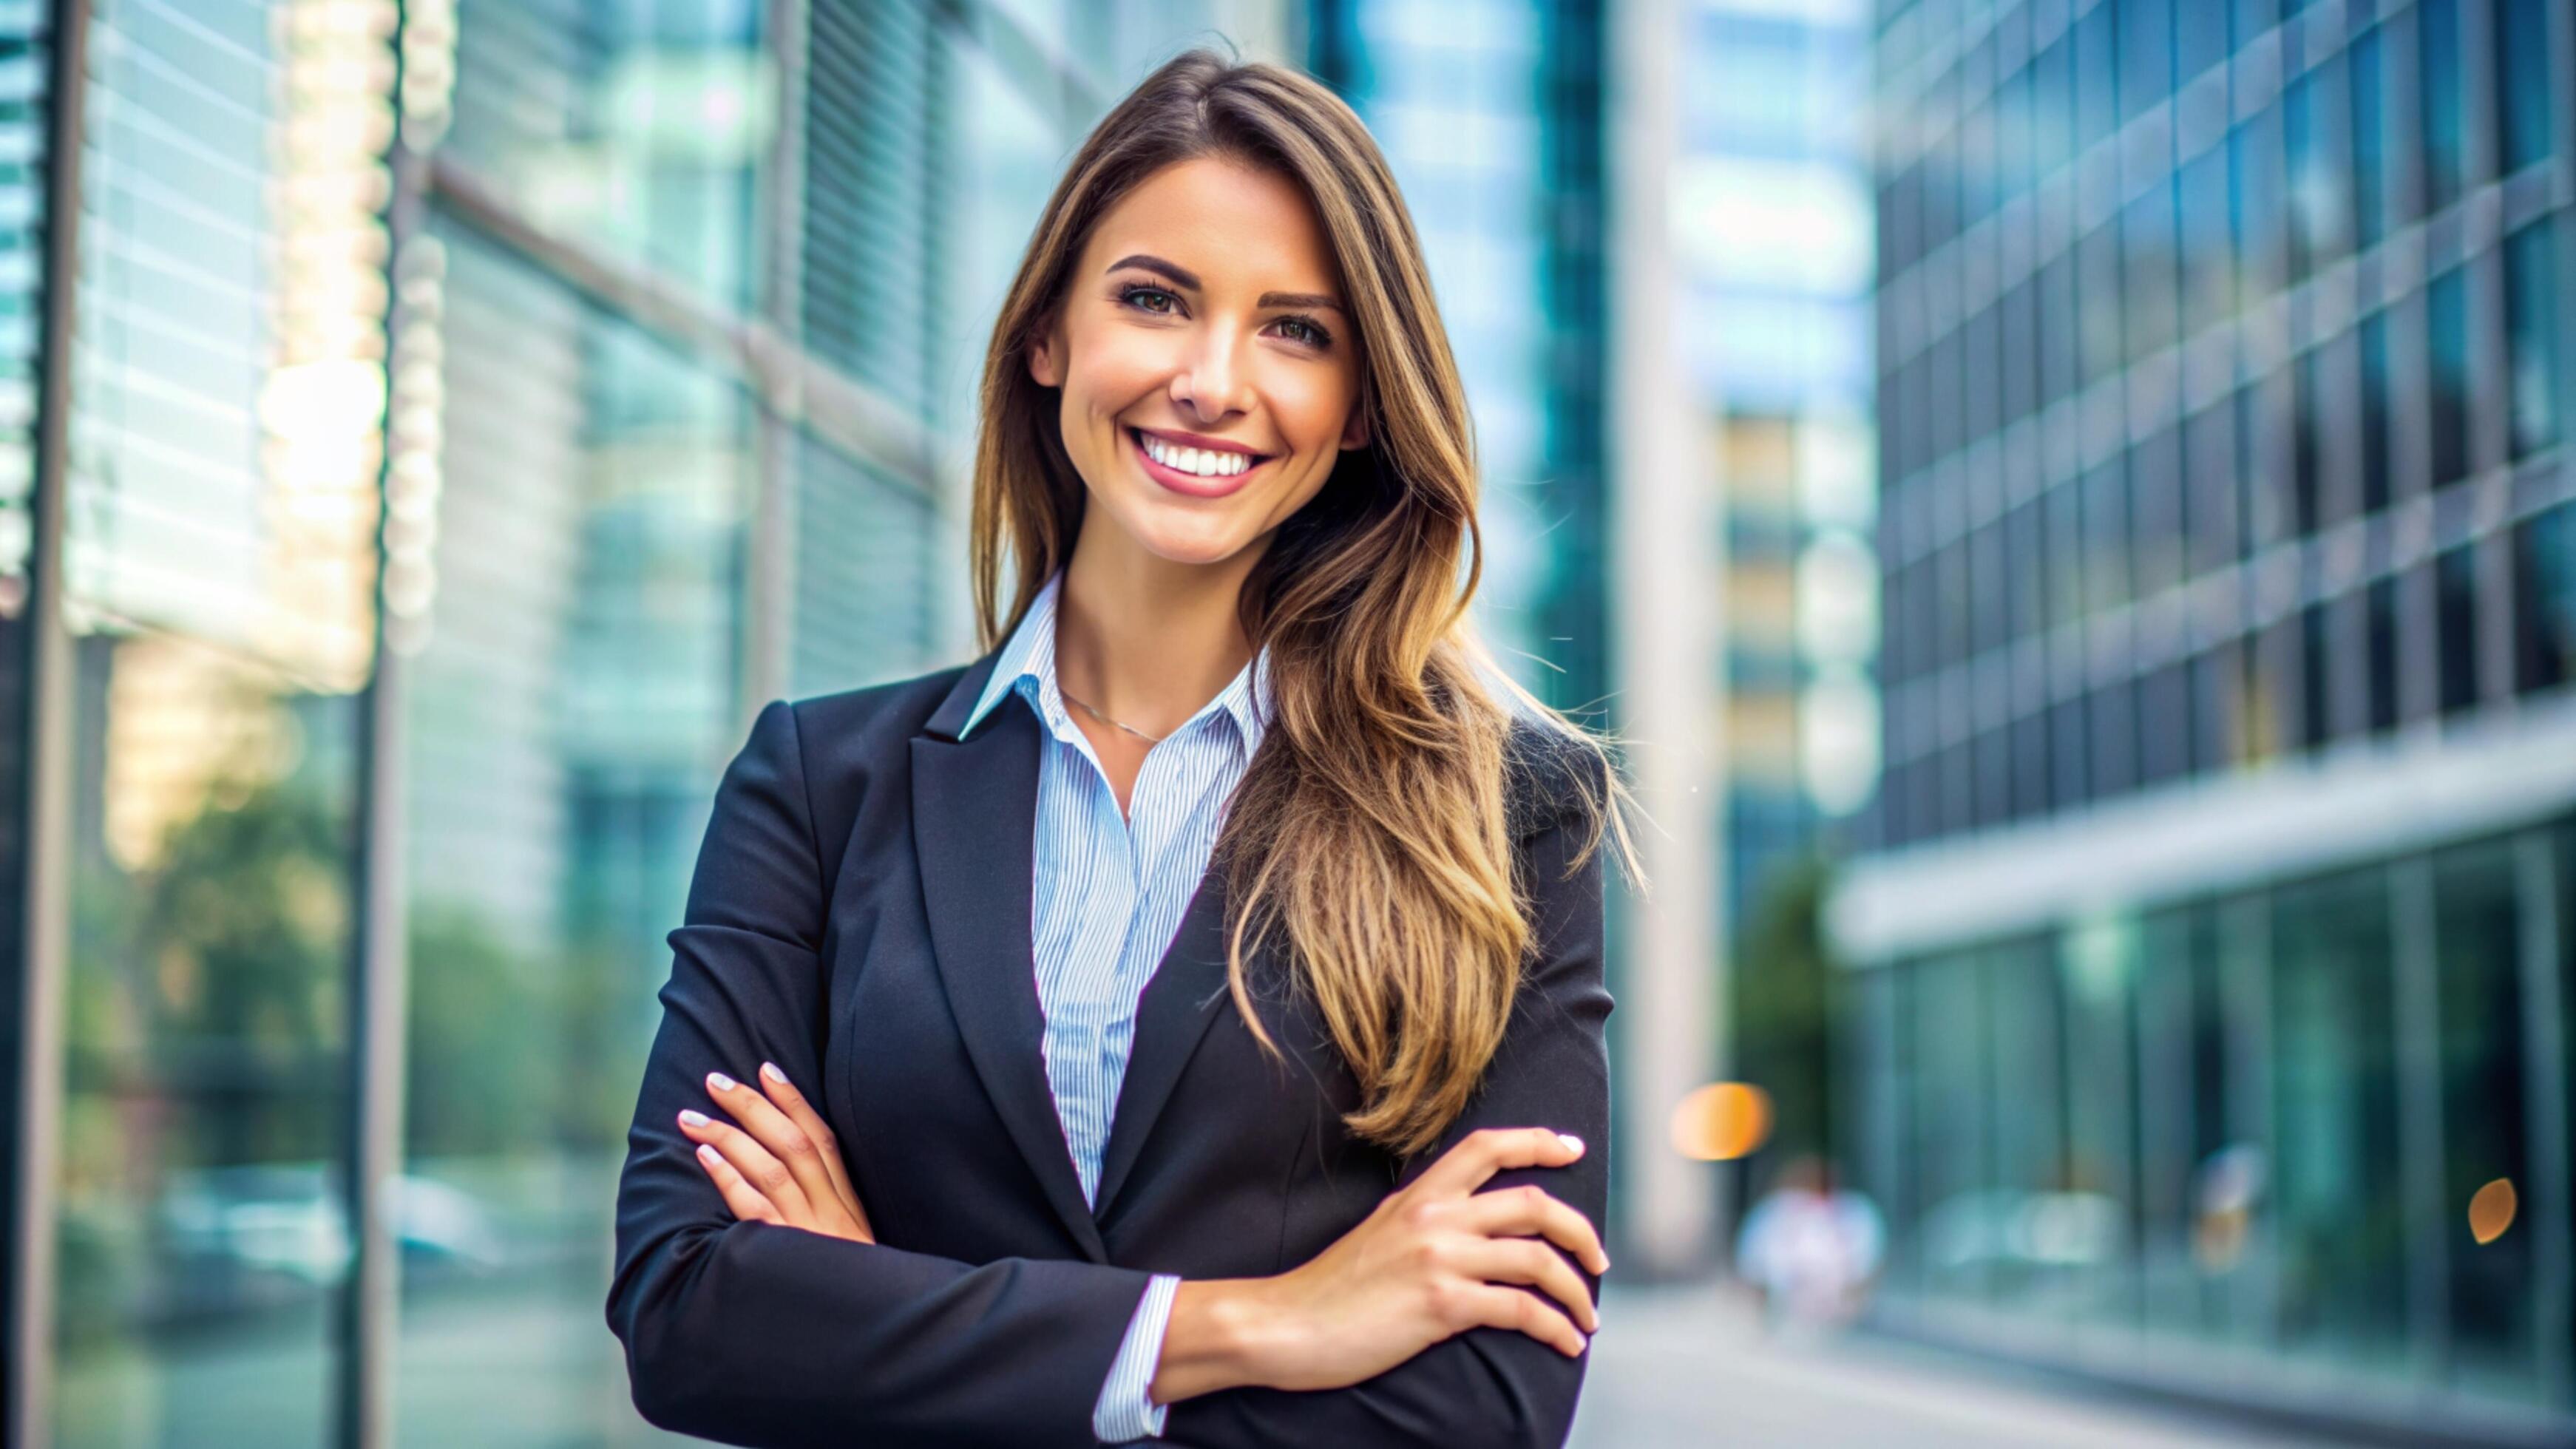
x: 1782, y: 1010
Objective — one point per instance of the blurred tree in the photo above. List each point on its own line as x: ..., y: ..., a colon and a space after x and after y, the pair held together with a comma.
x: 242, y: 949
x: 1782, y: 985
x: 482, y: 1080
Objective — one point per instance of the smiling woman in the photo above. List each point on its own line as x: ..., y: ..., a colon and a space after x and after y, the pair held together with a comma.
x: 1188, y: 1017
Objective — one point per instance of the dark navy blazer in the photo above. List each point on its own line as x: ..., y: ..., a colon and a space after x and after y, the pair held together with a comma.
x: 860, y: 915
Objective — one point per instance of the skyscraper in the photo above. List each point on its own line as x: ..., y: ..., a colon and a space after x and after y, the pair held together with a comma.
x: 2209, y: 1019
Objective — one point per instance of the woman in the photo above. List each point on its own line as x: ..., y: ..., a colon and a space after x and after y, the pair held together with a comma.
x: 1185, y: 1021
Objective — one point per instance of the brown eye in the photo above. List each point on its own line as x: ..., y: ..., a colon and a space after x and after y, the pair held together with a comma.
x: 1149, y: 299
x: 1307, y: 332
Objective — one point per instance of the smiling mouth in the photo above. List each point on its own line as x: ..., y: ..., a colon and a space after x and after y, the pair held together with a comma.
x: 1179, y: 467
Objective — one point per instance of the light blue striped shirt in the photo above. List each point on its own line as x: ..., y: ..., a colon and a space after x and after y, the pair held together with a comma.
x: 1109, y: 894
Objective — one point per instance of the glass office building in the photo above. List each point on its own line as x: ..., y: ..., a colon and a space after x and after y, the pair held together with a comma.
x: 1490, y: 115
x: 426, y: 436
x: 1771, y: 204
x: 2208, y: 1019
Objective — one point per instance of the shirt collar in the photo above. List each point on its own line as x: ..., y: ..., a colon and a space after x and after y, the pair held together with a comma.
x: 1026, y: 664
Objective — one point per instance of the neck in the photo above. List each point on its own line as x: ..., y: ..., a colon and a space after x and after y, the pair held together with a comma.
x: 1141, y: 638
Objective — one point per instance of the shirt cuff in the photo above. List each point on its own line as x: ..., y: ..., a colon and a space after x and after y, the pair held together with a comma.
x: 1125, y: 1410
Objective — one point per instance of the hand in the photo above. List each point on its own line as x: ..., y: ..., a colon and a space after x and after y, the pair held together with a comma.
x: 782, y: 1165
x: 1434, y: 1259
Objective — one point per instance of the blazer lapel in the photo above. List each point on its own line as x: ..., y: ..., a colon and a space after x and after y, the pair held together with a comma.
x: 974, y: 812
x: 1186, y: 995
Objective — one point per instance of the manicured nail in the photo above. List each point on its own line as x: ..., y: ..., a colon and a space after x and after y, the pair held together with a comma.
x: 693, y: 1117
x: 720, y: 1082
x: 771, y: 1071
x: 1572, y: 1143
x: 707, y: 1153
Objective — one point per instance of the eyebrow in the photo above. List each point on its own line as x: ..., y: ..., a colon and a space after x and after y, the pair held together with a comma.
x: 1188, y: 279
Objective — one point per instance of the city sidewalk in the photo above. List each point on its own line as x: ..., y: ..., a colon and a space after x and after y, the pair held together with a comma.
x: 1690, y: 1366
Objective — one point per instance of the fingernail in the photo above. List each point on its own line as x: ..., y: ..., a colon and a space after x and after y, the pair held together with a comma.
x: 1572, y: 1142
x: 693, y: 1117
x: 720, y: 1082
x: 707, y: 1154
x: 771, y: 1071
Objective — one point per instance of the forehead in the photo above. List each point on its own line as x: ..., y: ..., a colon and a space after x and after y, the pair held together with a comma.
x: 1228, y: 222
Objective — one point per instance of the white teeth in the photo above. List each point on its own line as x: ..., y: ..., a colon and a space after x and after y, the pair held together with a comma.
x: 1201, y: 462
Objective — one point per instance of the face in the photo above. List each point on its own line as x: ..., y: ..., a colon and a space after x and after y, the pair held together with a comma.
x: 1208, y: 374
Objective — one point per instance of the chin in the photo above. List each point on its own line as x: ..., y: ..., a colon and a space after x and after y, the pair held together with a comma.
x: 1191, y: 540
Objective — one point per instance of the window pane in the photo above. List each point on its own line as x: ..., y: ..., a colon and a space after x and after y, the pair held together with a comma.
x: 1951, y: 1115
x: 2455, y: 602
x: 2107, y: 532
x: 2058, y: 346
x: 2194, y: 1211
x: 219, y: 581
x: 2254, y: 173
x: 2307, y: 466
x: 2098, y: 263
x: 2147, y: 228
x: 572, y: 702
x: 2478, y: 955
x: 2522, y: 75
x: 202, y: 1242
x: 2380, y: 619
x: 2208, y: 243
x: 2446, y: 157
x: 2531, y: 337
x: 2374, y: 412
x: 2029, y: 1133
x: 2340, y: 1208
x: 2099, y: 960
x: 2097, y: 111
x: 2544, y: 591
x: 2315, y: 703
x: 2320, y: 199
x: 2146, y: 53
x: 2369, y: 152
x: 2446, y: 320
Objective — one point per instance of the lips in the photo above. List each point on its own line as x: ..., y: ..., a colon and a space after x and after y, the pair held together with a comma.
x: 1191, y: 484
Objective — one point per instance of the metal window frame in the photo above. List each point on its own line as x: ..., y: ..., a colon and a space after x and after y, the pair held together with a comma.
x: 44, y: 947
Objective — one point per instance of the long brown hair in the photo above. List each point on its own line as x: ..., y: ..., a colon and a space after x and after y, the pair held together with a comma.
x: 1373, y: 827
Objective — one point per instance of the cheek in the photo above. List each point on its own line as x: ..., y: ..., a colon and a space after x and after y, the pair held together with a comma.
x: 1312, y: 406
x: 1111, y: 370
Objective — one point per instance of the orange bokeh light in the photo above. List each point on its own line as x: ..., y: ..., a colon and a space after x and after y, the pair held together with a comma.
x: 1722, y: 1121
x: 2492, y: 1210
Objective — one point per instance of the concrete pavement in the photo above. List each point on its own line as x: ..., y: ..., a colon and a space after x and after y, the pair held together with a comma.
x: 1684, y: 1367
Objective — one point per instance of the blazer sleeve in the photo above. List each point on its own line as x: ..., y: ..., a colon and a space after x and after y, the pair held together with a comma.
x: 1487, y: 1386
x: 751, y: 1333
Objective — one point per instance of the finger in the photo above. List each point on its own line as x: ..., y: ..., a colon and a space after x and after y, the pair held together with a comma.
x: 765, y: 1173
x: 783, y: 1139
x: 801, y: 1112
x: 1495, y: 1306
x: 1479, y: 1155
x: 740, y: 1196
x: 1526, y: 1260
x: 1529, y: 1211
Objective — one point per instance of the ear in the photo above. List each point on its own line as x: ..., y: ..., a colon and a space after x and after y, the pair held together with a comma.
x: 1045, y: 359
x: 1355, y: 432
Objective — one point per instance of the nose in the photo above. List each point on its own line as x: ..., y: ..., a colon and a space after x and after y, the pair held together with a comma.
x: 1209, y: 381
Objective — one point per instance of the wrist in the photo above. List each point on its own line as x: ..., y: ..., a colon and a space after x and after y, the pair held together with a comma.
x: 1224, y: 1333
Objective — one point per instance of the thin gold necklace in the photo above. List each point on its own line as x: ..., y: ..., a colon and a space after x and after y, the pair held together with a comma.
x: 1104, y: 719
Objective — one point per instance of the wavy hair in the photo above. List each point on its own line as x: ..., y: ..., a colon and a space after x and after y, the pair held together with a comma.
x: 1373, y: 830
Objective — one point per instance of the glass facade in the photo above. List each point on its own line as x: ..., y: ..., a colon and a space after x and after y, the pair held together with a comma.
x: 473, y: 412
x: 1771, y: 221
x: 1490, y: 115
x: 2221, y: 396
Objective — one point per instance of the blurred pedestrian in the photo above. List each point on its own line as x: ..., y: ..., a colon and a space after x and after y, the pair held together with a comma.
x: 1811, y: 1248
